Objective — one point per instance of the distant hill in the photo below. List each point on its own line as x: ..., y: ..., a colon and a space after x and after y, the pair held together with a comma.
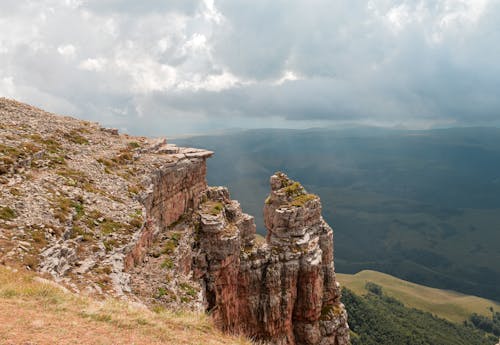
x: 420, y: 205
x: 375, y: 318
x: 449, y: 305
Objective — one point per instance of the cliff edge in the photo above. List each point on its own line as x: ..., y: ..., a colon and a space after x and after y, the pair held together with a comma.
x: 108, y: 214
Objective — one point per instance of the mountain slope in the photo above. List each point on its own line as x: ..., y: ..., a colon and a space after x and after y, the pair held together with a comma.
x: 36, y: 311
x: 377, y: 319
x: 449, y: 305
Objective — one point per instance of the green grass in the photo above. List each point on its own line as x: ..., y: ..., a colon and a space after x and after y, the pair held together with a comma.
x: 6, y: 213
x: 300, y: 200
x: 294, y: 189
x: 449, y: 305
x: 216, y: 208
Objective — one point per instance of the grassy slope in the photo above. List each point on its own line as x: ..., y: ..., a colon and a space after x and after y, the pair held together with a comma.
x: 449, y: 305
x: 38, y: 312
x: 376, y: 319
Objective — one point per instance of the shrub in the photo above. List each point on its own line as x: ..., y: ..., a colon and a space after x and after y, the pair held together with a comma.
x: 374, y: 288
x: 294, y: 189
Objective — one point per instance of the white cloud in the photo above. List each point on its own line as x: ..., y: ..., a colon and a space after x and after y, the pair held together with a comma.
x: 399, y: 16
x: 7, y: 86
x: 384, y: 61
x: 68, y: 50
x: 287, y: 76
x: 90, y: 64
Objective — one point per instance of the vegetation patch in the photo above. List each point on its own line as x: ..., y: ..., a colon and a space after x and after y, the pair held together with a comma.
x: 108, y: 164
x: 93, y: 218
x: 191, y: 291
x: 10, y: 152
x: 62, y: 206
x: 74, y: 177
x: 79, y: 208
x: 373, y: 288
x: 161, y: 292
x: 300, y: 200
x: 379, y: 319
x: 79, y: 231
x: 133, y: 145
x: 167, y: 263
x: 15, y: 192
x: 486, y: 323
x: 137, y: 221
x: 109, y: 226
x: 125, y: 156
x: 134, y: 189
x: 216, y: 209
x: 110, y: 244
x: 6, y: 213
x: 75, y: 137
x: 169, y: 246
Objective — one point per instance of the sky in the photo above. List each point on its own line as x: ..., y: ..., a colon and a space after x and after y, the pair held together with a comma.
x: 176, y: 67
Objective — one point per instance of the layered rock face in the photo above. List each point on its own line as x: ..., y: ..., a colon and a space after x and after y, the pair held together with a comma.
x: 174, y: 190
x: 283, y: 290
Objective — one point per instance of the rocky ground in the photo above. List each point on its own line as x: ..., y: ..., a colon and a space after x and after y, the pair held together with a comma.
x: 71, y: 195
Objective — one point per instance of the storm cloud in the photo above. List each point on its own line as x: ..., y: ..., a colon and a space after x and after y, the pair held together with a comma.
x: 182, y: 66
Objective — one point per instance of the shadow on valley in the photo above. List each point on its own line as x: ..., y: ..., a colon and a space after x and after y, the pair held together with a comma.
x: 420, y: 205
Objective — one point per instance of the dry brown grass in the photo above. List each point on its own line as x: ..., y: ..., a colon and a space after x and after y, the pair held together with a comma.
x: 34, y: 312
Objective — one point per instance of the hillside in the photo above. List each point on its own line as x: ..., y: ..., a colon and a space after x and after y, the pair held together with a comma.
x: 376, y: 318
x: 36, y: 311
x: 421, y: 205
x: 446, y: 304
x: 109, y: 215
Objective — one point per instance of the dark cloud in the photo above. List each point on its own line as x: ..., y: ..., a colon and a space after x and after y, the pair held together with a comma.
x: 182, y: 66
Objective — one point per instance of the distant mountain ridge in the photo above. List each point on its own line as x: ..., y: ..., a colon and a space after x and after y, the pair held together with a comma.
x: 421, y: 205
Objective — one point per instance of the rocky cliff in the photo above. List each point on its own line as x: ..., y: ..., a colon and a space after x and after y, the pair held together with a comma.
x: 111, y: 214
x: 283, y: 290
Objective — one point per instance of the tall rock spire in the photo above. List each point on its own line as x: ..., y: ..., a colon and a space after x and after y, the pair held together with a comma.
x: 284, y: 290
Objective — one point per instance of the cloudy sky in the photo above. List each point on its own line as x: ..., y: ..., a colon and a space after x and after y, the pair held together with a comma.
x: 184, y: 66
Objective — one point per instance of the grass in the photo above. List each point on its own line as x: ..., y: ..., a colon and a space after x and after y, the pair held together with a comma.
x: 42, y: 313
x: 169, y: 246
x: 294, y: 189
x: 133, y: 145
x: 216, y: 208
x: 110, y: 244
x: 167, y: 263
x: 109, y: 226
x: 449, y: 305
x: 62, y: 206
x: 300, y: 200
x: 75, y: 137
x: 6, y: 213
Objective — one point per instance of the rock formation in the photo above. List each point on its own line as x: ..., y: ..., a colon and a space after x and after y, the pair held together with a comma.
x: 111, y: 214
x: 283, y: 290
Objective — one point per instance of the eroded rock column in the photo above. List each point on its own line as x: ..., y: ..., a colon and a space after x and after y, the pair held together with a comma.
x: 282, y: 290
